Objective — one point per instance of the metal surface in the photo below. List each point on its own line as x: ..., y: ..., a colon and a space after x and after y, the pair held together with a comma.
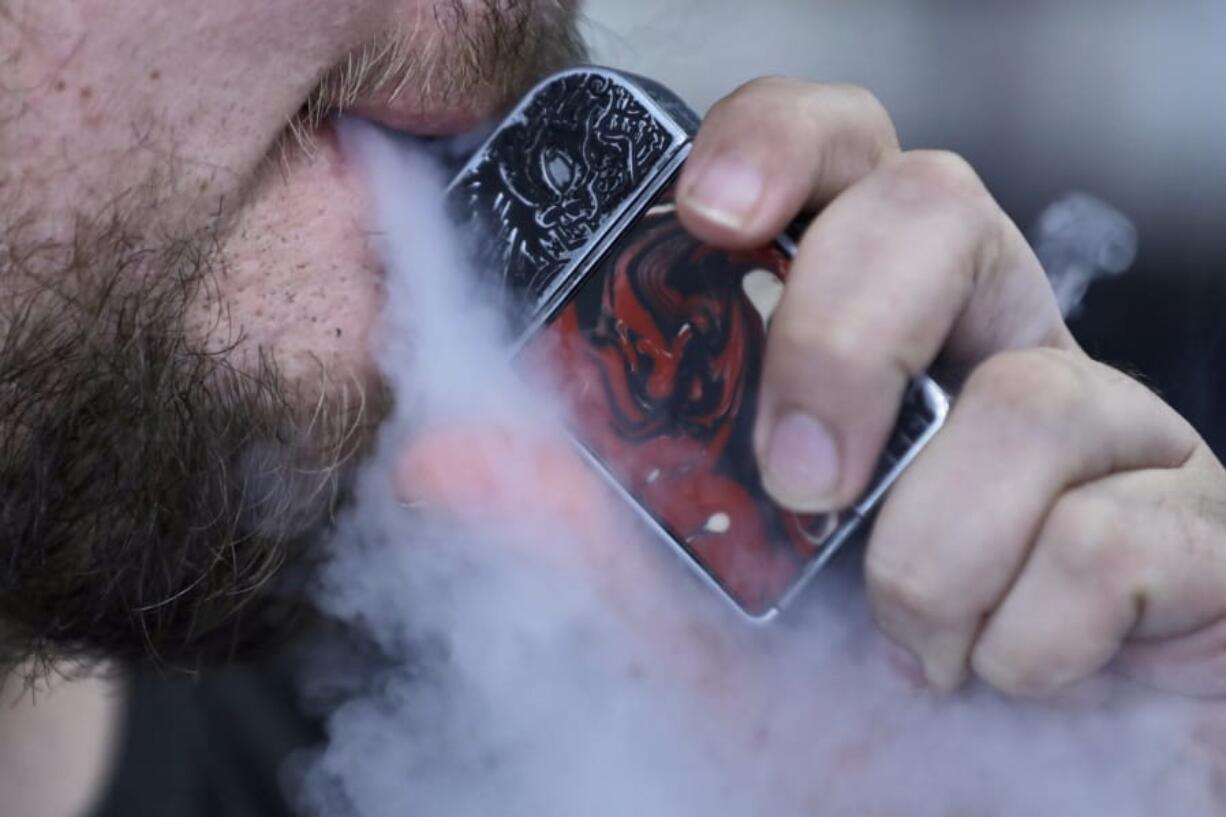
x: 551, y: 182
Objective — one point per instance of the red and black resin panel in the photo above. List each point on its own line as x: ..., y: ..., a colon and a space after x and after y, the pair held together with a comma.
x: 662, y: 347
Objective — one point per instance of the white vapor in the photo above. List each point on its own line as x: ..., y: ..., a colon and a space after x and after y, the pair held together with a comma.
x: 513, y: 668
x: 1079, y: 239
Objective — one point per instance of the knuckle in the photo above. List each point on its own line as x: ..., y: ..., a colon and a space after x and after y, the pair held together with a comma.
x: 859, y: 97
x: 900, y: 591
x: 845, y: 356
x: 818, y: 101
x: 867, y: 104
x: 1086, y: 538
x: 1033, y: 390
x: 854, y: 122
x: 1008, y: 671
x: 835, y: 346
x: 938, y: 175
x: 751, y: 93
x: 1199, y: 523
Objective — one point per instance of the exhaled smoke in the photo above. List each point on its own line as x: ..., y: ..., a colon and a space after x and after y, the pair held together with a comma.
x: 1080, y: 239
x: 523, y: 649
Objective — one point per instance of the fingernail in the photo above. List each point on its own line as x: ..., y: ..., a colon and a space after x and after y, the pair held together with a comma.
x: 802, y: 463
x: 727, y: 190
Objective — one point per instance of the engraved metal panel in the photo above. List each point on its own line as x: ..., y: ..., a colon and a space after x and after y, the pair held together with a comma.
x: 556, y: 175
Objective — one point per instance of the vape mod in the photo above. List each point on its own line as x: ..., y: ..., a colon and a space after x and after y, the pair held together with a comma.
x: 660, y: 337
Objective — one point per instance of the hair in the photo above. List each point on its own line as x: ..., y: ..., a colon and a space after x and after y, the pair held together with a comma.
x: 149, y: 492
x: 153, y: 495
x: 495, y: 47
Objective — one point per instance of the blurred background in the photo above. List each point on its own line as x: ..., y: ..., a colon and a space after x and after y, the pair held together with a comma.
x: 1123, y: 99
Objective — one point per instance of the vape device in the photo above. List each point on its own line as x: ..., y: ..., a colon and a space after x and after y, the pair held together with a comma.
x: 659, y: 337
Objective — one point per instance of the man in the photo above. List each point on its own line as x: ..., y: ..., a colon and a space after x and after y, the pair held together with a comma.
x: 186, y: 289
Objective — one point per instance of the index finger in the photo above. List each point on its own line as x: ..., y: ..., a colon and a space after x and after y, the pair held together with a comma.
x: 774, y: 147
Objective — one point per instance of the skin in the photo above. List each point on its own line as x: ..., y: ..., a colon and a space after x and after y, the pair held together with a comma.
x: 55, y: 754
x: 168, y: 207
x: 185, y: 272
x: 1065, y: 514
x: 1064, y: 519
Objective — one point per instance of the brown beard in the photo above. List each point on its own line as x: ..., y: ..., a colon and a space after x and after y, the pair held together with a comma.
x: 149, y: 492
x: 153, y: 495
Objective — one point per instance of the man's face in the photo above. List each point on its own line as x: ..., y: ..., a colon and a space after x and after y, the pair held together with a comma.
x: 186, y: 288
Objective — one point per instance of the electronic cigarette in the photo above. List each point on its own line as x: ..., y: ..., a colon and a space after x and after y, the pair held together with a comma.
x: 660, y: 337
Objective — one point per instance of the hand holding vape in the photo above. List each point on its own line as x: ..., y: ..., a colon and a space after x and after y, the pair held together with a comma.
x: 660, y: 336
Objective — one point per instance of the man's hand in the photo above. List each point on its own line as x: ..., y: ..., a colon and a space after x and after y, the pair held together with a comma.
x: 1064, y: 512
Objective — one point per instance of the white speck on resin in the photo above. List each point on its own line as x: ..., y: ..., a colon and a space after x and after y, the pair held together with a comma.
x: 719, y: 523
x: 653, y: 475
x: 764, y: 290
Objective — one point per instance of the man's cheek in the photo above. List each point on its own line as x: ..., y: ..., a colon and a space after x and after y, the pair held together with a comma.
x: 108, y: 98
x: 299, y: 284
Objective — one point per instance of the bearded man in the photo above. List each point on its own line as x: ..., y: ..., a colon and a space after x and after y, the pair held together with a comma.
x: 186, y: 288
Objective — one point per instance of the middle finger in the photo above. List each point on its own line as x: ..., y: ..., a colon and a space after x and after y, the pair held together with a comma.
x: 914, y: 260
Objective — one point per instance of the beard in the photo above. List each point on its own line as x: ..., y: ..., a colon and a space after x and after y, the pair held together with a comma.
x: 162, y: 499
x: 150, y: 491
